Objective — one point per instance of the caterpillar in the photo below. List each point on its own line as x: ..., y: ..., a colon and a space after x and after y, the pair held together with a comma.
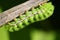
x: 41, y: 12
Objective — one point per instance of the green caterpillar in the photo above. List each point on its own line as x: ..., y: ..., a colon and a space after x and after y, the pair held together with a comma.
x: 39, y: 13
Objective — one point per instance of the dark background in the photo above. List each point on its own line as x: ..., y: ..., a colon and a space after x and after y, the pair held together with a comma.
x: 52, y: 23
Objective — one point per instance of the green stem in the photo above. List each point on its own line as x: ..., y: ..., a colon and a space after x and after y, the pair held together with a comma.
x: 4, y: 34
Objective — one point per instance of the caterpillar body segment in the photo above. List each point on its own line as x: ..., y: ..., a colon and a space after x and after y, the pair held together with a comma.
x: 39, y: 13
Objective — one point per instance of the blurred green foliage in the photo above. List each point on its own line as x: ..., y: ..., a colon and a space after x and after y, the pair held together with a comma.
x: 25, y: 34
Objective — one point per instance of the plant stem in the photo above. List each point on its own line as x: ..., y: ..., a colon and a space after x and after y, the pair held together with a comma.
x: 4, y: 34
